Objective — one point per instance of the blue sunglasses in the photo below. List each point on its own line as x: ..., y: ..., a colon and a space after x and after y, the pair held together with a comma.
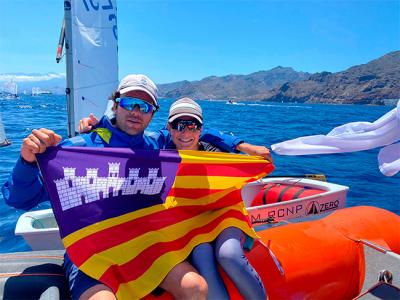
x: 130, y: 104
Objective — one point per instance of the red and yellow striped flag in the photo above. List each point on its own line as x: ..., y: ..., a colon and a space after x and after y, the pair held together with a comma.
x: 140, y: 227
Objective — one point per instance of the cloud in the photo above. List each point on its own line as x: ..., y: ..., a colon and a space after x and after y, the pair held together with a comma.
x: 31, y: 77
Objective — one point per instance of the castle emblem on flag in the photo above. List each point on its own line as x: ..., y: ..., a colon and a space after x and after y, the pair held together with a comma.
x: 79, y: 190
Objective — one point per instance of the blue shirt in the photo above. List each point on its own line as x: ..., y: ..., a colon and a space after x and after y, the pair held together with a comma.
x: 24, y: 188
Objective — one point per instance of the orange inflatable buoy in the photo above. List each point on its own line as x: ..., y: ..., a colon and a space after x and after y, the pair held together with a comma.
x: 318, y: 258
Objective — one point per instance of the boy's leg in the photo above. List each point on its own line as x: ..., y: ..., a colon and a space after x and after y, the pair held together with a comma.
x: 204, y: 261
x: 230, y: 255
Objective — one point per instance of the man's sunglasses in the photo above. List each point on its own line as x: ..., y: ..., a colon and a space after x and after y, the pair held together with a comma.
x: 131, y: 103
x: 180, y: 125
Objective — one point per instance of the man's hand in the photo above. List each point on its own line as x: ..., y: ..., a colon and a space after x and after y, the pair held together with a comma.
x: 37, y: 142
x: 254, y: 150
x: 86, y: 124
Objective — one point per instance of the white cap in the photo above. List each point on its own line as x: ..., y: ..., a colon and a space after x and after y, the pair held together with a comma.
x: 185, y: 107
x: 138, y: 82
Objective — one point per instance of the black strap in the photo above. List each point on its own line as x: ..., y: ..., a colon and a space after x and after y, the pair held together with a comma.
x: 298, y: 193
x: 264, y: 197
x: 283, y: 192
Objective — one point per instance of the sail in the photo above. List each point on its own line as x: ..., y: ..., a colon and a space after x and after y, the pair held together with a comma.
x: 92, y: 58
x: 3, y: 139
x: 351, y: 137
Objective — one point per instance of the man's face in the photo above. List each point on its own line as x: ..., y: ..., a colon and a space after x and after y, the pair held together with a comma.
x: 186, y: 139
x: 133, y: 121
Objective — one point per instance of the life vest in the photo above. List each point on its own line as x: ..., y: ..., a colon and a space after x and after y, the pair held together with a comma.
x: 278, y: 192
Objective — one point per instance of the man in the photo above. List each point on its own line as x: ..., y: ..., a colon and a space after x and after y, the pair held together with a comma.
x: 185, y: 122
x: 135, y: 103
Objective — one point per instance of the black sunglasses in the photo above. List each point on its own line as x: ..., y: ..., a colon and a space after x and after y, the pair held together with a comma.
x: 180, y: 125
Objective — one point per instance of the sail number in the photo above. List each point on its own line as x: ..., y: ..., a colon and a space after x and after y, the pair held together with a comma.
x: 105, y: 5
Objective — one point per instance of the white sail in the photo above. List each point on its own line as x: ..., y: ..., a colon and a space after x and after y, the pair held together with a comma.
x: 351, y: 137
x: 92, y: 58
x: 3, y: 139
x: 11, y: 89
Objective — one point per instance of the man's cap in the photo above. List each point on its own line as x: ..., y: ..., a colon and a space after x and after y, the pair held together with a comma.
x: 138, y: 82
x: 185, y: 107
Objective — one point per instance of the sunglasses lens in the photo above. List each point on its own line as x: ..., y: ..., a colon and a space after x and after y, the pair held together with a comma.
x: 131, y: 103
x: 180, y: 125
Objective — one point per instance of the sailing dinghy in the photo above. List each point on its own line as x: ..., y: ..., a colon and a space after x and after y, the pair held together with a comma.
x: 310, y: 246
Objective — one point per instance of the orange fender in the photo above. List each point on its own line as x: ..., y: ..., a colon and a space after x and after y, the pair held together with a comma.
x: 322, y: 258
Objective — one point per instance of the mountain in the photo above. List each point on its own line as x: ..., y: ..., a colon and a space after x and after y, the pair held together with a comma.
x: 254, y: 86
x: 53, y: 82
x: 376, y: 82
x: 371, y: 83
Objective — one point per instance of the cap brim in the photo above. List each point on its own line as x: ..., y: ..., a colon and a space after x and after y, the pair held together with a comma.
x: 137, y: 88
x: 174, y: 117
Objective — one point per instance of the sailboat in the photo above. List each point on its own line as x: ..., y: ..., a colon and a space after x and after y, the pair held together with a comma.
x: 3, y: 138
x: 311, y: 247
x: 11, y: 90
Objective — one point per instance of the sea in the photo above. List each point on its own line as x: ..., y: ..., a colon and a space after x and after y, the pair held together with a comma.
x: 255, y: 122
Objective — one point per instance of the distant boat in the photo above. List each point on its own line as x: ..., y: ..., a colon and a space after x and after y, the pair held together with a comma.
x: 10, y: 90
x: 231, y: 102
x: 3, y: 139
x: 38, y: 91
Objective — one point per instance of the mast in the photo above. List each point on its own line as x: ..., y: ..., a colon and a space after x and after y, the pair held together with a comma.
x: 60, y: 43
x: 67, y: 24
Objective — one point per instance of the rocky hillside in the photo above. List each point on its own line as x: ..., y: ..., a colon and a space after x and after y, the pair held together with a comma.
x: 370, y: 83
x: 254, y: 86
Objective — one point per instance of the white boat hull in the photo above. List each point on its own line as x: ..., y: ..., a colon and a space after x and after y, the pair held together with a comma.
x: 333, y: 198
x: 40, y: 230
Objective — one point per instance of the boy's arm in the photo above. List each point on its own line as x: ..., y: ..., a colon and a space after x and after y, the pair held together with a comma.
x: 225, y: 142
x: 254, y: 150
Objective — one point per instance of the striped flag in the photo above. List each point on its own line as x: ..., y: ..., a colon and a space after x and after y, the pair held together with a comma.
x: 128, y: 217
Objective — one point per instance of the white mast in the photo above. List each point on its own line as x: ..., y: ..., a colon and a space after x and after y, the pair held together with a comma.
x: 91, y: 57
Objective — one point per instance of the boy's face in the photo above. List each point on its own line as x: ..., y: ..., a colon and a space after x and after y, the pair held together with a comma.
x: 188, y: 138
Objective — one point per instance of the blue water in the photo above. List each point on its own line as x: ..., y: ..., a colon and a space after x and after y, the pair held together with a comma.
x: 256, y: 123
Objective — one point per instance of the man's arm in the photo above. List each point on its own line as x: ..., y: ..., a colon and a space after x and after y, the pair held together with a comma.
x: 24, y: 188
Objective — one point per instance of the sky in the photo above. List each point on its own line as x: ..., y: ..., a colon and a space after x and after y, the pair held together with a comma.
x: 175, y: 40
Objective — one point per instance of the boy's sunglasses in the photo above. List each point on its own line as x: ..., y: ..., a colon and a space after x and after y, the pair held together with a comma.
x: 180, y: 125
x: 130, y: 104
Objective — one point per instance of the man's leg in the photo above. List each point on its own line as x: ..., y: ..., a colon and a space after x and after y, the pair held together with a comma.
x: 183, y: 282
x: 83, y: 287
x: 98, y: 292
